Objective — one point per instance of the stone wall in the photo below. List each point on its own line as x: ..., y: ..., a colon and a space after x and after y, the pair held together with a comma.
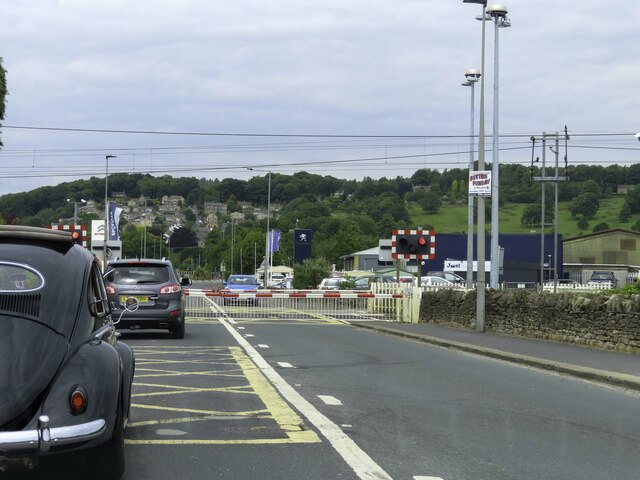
x: 608, y: 322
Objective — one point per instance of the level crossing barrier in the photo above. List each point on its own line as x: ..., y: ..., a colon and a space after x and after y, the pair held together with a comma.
x: 319, y: 305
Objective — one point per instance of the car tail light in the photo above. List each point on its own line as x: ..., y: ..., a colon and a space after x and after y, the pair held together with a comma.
x: 110, y: 289
x: 167, y: 289
x: 78, y: 401
x: 174, y: 313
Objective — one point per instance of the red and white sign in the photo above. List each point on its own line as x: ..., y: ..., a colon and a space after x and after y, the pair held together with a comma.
x: 423, y: 237
x: 70, y: 228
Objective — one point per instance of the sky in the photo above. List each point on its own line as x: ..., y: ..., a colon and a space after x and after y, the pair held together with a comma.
x: 349, y: 88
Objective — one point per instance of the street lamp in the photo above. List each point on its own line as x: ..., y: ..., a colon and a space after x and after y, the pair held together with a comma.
x: 267, y: 243
x: 472, y: 77
x: 106, y: 210
x: 75, y: 209
x: 480, y: 276
x: 498, y: 14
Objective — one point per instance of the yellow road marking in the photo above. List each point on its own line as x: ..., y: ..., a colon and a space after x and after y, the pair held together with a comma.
x: 287, y: 420
x: 285, y: 417
x: 181, y: 390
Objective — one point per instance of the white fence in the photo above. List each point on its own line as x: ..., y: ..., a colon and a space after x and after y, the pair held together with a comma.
x: 388, y: 304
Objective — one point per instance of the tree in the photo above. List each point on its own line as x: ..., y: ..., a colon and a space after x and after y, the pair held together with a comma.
x: 585, y: 204
x: 601, y: 227
x: 532, y: 215
x: 430, y: 202
x: 182, y: 238
x: 582, y: 222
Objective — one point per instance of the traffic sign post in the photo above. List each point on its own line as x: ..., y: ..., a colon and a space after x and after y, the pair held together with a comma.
x: 414, y: 245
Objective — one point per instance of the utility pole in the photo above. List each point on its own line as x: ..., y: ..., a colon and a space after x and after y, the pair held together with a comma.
x: 555, y: 179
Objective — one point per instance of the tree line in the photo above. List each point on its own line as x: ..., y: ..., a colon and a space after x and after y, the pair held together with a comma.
x: 345, y: 215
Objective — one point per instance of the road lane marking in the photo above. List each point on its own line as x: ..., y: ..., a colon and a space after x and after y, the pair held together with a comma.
x: 262, y: 345
x: 285, y: 365
x: 356, y: 458
x: 422, y: 477
x: 249, y: 335
x: 289, y: 428
x: 329, y: 400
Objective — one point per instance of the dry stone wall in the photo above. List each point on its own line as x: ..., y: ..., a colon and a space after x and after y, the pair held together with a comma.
x: 607, y: 322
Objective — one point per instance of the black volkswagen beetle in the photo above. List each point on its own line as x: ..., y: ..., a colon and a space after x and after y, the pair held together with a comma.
x: 65, y: 379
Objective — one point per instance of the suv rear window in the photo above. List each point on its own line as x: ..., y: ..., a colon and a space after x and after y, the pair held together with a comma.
x: 138, y: 274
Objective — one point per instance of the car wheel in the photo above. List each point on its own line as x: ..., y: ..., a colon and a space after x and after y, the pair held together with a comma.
x: 178, y: 331
x: 110, y: 456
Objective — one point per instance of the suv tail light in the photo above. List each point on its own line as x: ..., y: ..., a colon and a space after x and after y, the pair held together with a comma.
x: 167, y: 289
x: 110, y: 289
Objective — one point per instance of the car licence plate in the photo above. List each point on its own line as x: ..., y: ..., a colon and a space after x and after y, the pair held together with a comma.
x: 140, y: 298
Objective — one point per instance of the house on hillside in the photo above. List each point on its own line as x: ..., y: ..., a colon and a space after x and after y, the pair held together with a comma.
x: 616, y: 250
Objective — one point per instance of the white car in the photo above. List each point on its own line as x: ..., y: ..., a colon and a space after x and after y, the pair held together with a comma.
x: 331, y: 283
x: 431, y: 280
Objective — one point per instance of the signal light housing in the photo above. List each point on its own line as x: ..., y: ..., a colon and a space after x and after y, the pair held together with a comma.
x: 413, y: 244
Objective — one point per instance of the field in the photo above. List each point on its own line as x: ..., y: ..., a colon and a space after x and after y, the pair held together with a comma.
x: 453, y: 218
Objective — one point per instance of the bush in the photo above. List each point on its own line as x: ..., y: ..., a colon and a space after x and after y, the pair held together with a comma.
x: 310, y: 273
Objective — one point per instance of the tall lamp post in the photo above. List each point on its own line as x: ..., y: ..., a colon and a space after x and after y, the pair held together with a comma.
x: 480, y: 281
x: 498, y: 14
x: 472, y: 77
x: 106, y: 210
x: 267, y: 243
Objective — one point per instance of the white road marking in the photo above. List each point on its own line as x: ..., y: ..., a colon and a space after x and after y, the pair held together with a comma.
x: 422, y: 477
x: 248, y: 335
x: 356, y: 458
x: 240, y: 328
x: 285, y: 365
x: 262, y: 345
x: 346, y: 425
x: 329, y: 400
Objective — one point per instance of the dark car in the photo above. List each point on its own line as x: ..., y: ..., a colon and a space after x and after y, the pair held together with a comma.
x: 155, y: 284
x: 65, y: 381
x: 364, y: 283
x: 605, y: 278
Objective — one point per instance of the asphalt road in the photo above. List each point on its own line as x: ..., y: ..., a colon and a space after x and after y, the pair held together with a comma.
x: 247, y: 398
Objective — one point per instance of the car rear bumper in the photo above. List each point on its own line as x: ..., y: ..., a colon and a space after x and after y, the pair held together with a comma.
x: 44, y: 438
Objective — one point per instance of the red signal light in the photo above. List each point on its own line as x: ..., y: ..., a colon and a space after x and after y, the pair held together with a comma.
x: 422, y: 241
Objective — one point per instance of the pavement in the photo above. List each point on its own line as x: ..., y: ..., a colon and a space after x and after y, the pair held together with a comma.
x: 611, y: 368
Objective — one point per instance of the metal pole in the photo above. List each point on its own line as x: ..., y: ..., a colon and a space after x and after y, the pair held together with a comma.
x: 495, y: 172
x: 145, y: 228
x: 555, y: 219
x: 542, y: 215
x: 480, y: 282
x: 75, y: 213
x: 268, y: 243
x: 470, y: 201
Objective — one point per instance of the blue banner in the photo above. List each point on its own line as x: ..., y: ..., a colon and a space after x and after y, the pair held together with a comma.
x: 301, y: 244
x: 114, y: 220
x: 275, y: 240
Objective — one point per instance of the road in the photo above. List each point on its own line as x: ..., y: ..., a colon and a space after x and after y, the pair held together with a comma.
x: 272, y: 399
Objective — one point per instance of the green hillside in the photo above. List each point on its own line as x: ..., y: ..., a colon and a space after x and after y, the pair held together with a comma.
x: 453, y: 218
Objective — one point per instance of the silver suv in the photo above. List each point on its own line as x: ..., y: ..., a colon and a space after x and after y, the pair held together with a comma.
x: 155, y: 284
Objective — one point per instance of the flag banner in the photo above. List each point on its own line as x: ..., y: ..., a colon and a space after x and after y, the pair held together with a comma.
x: 114, y: 220
x: 275, y: 240
x: 301, y: 244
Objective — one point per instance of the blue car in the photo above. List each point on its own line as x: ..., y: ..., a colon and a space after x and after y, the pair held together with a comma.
x: 239, y: 284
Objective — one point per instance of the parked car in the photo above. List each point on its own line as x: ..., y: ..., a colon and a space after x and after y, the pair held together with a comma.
x: 452, y: 277
x: 431, y: 280
x: 603, y: 278
x: 331, y: 283
x: 238, y: 284
x: 364, y: 283
x: 65, y: 378
x: 155, y: 284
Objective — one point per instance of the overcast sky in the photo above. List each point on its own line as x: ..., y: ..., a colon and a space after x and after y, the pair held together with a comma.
x: 296, y: 67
